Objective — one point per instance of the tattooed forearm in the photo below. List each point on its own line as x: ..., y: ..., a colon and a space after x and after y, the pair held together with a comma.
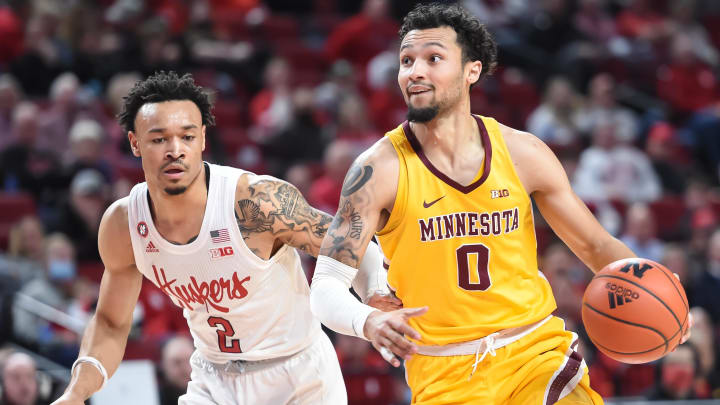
x: 280, y: 209
x: 344, y: 236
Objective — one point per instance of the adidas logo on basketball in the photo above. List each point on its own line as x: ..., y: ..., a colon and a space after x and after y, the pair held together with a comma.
x: 619, y: 295
x: 151, y: 248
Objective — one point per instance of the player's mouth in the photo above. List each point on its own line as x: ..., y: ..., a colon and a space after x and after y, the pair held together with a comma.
x: 174, y: 171
x: 417, y: 89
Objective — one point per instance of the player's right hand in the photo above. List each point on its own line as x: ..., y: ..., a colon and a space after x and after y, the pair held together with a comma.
x: 68, y: 399
x: 388, y: 331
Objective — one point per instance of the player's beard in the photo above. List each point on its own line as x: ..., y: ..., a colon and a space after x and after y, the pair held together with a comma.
x: 422, y: 115
x: 426, y: 114
x: 175, y: 190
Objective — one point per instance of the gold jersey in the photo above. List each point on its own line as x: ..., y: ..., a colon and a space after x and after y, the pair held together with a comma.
x: 467, y: 252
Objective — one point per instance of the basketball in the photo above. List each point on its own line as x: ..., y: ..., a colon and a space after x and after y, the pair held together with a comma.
x: 635, y: 310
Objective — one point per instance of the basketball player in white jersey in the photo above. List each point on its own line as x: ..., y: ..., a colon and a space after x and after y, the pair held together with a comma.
x: 221, y: 243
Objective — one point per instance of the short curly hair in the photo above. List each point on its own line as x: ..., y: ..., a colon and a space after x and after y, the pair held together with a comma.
x: 164, y: 86
x: 473, y: 37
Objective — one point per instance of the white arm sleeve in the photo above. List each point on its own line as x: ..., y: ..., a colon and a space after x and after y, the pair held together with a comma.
x: 331, y: 301
x: 372, y: 276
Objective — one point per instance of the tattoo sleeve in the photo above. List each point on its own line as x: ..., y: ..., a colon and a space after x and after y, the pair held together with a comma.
x: 279, y: 208
x: 353, y: 226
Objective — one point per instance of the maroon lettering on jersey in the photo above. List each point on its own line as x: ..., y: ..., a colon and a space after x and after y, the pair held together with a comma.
x: 427, y: 231
x: 208, y: 294
x: 472, y: 226
x: 460, y: 224
x: 496, y: 223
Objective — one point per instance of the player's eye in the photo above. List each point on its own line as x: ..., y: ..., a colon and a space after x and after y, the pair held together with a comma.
x: 435, y: 58
x: 405, y: 60
x: 158, y: 140
x: 189, y: 137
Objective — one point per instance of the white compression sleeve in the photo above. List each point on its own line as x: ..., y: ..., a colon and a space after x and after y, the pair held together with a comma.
x: 331, y: 301
x: 372, y: 276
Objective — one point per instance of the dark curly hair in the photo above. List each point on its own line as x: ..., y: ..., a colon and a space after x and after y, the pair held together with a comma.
x: 165, y: 86
x: 472, y: 36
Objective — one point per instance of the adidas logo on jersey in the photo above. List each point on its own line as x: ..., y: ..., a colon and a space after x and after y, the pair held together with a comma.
x: 619, y: 295
x: 151, y: 248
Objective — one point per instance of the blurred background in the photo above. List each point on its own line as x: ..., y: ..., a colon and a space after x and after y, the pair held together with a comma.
x: 625, y: 92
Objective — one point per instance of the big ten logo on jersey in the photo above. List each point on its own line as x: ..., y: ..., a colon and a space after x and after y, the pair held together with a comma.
x: 499, y: 193
x: 218, y: 253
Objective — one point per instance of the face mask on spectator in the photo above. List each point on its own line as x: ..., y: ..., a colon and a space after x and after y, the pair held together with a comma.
x: 61, y: 270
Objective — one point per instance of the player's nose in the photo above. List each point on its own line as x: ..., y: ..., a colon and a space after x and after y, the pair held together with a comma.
x: 417, y: 71
x: 175, y: 149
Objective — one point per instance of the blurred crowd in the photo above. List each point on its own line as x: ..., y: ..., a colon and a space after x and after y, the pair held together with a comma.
x: 625, y: 92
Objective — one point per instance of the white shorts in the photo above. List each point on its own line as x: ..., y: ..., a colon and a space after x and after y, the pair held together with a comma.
x: 311, y: 376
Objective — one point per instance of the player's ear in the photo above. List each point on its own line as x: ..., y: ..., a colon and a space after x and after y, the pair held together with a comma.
x: 203, y: 137
x: 473, y: 71
x: 132, y: 137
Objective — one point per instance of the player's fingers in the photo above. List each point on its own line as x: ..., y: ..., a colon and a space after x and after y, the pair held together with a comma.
x: 676, y: 276
x: 407, y: 347
x: 397, y: 351
x: 405, y: 329
x: 411, y: 312
x: 688, y: 332
x: 389, y: 356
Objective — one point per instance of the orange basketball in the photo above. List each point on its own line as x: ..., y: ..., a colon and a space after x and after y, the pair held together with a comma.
x: 635, y: 310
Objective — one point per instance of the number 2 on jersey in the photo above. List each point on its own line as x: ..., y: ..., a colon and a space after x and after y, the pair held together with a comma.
x: 463, y: 261
x: 225, y: 333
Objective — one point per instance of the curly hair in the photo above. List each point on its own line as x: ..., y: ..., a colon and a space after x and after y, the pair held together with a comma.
x: 473, y: 37
x: 165, y: 86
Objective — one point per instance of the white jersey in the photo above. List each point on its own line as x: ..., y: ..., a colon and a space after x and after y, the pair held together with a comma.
x: 237, y: 305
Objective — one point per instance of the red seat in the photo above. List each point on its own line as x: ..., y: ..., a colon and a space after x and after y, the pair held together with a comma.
x: 667, y: 213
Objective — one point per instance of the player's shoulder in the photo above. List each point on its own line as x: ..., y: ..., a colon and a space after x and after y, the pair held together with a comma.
x: 116, y: 216
x: 381, y: 156
x: 523, y: 146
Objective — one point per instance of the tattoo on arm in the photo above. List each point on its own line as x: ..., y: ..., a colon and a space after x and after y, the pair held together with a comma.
x: 348, y: 234
x: 280, y: 209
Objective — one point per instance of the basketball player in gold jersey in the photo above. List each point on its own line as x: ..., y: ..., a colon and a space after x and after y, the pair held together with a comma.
x: 448, y: 196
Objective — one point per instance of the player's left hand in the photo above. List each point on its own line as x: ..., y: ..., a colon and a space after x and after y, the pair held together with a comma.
x: 687, y: 333
x: 384, y: 301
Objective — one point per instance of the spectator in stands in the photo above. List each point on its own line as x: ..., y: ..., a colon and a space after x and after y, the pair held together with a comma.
x: 556, y: 120
x: 271, y: 108
x: 24, y: 166
x: 86, y: 149
x: 24, y: 259
x: 609, y: 170
x: 685, y: 20
x: 80, y: 215
x: 662, y: 149
x: 353, y: 123
x: 641, y: 233
x: 677, y: 372
x: 703, y: 338
x: 302, y: 140
x: 56, y: 288
x: 675, y: 257
x: 594, y: 21
x: 364, y: 35
x: 325, y: 191
x: 341, y: 83
x: 10, y: 96
x: 707, y: 284
x: 686, y: 83
x: 65, y: 108
x: 603, y: 107
x: 642, y: 20
x: 19, y: 380
x: 175, y: 369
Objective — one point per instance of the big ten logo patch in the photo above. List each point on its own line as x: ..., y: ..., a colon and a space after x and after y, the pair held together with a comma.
x: 218, y: 253
x: 499, y: 193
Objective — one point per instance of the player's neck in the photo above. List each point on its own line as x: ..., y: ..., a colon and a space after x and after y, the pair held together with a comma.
x: 448, y: 133
x: 175, y: 209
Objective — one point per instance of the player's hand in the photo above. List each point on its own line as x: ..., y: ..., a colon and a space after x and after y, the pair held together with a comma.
x: 385, y: 302
x: 387, y: 330
x: 68, y: 399
x: 687, y: 333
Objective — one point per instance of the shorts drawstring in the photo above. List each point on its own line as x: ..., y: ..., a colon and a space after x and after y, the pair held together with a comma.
x: 489, y: 343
